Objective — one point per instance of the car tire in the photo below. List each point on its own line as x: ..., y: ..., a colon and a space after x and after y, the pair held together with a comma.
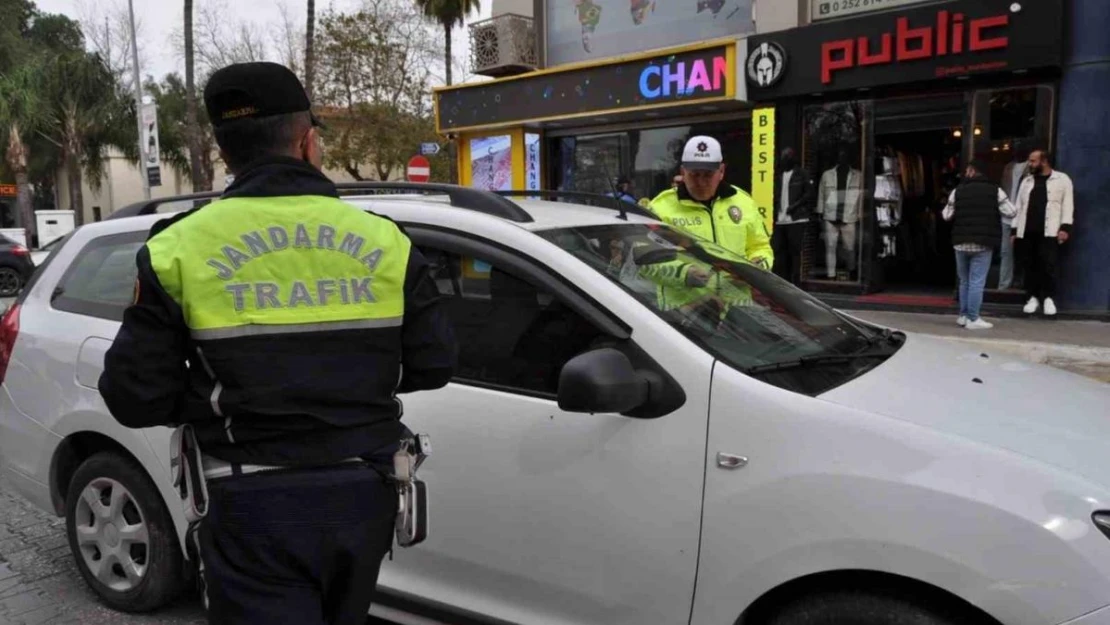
x: 122, y: 536
x: 852, y: 607
x: 11, y: 281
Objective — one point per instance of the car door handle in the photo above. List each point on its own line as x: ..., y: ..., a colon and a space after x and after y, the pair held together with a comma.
x: 730, y: 461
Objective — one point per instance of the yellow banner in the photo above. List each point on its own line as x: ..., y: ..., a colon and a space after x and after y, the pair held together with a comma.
x: 763, y: 164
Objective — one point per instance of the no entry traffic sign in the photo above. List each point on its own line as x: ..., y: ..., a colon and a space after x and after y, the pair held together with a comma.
x: 419, y: 169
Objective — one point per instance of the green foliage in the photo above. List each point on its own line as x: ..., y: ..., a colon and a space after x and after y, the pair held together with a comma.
x: 373, y: 82
x: 169, y: 96
x: 449, y: 13
x: 55, y: 33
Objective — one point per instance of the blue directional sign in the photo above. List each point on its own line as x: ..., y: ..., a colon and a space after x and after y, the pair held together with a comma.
x: 429, y: 149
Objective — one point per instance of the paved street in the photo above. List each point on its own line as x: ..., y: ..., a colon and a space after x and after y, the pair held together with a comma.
x: 40, y: 584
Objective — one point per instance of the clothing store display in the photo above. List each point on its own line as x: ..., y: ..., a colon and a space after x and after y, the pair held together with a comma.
x: 788, y: 242
x: 794, y: 196
x: 836, y: 234
x: 839, y: 203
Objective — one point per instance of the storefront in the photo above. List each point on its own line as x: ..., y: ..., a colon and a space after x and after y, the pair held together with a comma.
x: 886, y: 109
x: 583, y: 126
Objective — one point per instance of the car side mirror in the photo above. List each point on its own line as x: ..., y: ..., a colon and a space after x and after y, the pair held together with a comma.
x: 653, y: 255
x: 602, y: 380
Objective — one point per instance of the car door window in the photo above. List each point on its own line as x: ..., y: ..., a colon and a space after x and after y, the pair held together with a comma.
x: 512, y: 335
x: 101, y: 280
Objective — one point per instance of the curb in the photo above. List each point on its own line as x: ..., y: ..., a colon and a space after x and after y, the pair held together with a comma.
x: 1038, y: 353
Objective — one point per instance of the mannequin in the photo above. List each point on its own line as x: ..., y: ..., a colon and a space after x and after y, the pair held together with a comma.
x: 1011, y: 181
x: 840, y: 198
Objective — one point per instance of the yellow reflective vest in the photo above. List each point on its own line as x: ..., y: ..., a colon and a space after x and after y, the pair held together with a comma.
x: 280, y: 322
x: 734, y: 222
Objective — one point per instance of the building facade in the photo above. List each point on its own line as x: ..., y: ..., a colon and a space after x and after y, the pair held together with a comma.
x: 884, y: 102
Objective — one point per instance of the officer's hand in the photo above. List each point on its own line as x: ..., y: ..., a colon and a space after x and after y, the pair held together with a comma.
x: 696, y: 276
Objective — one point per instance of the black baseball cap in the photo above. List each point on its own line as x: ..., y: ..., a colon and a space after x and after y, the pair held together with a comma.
x: 253, y: 91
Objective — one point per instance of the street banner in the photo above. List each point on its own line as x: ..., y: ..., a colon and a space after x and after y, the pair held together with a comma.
x: 153, y: 162
x: 763, y: 164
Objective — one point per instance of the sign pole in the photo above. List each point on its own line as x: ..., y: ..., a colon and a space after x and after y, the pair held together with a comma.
x: 138, y: 100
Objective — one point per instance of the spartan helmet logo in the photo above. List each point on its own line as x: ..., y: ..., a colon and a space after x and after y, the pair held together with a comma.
x: 766, y: 64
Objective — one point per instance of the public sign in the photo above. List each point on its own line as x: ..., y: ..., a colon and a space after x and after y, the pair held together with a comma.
x: 429, y: 149
x: 150, y: 142
x: 419, y: 169
x: 909, y: 45
x: 828, y: 9
x: 8, y: 190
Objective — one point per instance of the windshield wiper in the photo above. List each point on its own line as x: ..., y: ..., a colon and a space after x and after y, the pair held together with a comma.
x: 816, y: 359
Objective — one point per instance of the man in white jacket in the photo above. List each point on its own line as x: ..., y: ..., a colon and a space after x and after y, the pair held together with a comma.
x: 1046, y: 210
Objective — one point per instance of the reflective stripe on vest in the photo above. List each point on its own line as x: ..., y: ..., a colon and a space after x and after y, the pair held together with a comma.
x: 250, y: 266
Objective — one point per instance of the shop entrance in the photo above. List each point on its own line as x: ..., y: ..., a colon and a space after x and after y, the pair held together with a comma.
x: 915, y: 170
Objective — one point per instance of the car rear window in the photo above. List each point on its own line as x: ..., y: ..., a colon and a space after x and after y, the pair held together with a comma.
x: 101, y: 280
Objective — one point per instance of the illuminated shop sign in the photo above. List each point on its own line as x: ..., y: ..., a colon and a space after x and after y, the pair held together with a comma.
x: 689, y: 76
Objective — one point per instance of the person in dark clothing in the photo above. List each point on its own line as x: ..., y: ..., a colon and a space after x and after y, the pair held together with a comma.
x: 795, y: 203
x: 974, y: 207
x: 1046, y: 212
x: 624, y: 190
x: 279, y: 323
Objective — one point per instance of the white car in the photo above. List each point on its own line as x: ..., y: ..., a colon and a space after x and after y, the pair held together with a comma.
x: 616, y: 449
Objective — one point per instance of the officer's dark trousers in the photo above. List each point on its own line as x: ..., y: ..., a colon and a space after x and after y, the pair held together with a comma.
x: 300, y: 547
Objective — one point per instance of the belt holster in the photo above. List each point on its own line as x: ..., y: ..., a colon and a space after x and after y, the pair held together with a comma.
x: 188, y: 473
x: 411, y: 525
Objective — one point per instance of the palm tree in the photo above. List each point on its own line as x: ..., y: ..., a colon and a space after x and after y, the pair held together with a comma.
x: 85, y: 113
x: 309, y: 40
x: 449, y: 14
x: 20, y: 117
x: 192, y: 128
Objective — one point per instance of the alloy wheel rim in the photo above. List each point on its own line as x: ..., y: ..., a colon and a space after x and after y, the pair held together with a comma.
x: 112, y: 535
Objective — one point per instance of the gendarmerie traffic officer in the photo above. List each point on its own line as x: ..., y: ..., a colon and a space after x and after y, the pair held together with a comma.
x: 280, y: 323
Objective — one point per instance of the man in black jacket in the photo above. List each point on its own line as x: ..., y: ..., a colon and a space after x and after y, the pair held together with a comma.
x: 280, y: 323
x: 975, y: 207
x: 794, y: 206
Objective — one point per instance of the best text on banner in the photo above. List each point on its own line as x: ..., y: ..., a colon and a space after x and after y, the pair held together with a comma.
x: 763, y: 163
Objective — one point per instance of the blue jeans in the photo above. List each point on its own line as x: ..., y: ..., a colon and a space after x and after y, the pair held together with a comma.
x: 972, y: 268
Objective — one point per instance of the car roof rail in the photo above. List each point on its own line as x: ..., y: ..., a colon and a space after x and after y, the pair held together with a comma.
x: 459, y: 197
x: 599, y: 200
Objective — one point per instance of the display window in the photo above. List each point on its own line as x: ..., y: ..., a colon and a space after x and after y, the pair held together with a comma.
x: 648, y: 159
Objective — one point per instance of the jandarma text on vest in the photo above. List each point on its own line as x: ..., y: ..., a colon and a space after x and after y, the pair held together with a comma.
x: 346, y: 291
x: 276, y: 239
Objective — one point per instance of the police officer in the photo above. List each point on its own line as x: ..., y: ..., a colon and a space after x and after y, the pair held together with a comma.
x: 704, y: 207
x: 281, y: 323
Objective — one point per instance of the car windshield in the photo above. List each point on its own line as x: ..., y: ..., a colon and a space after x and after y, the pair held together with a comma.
x: 748, y: 318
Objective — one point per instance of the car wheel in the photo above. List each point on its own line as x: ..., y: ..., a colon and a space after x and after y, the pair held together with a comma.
x: 10, y: 282
x: 122, y: 536
x: 861, y: 608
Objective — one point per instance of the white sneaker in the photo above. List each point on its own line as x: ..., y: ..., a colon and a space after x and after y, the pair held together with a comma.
x: 979, y: 324
x: 961, y: 321
x: 1031, y: 306
x: 1049, y: 307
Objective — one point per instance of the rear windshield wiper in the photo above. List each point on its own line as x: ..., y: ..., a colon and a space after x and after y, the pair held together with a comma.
x: 816, y: 359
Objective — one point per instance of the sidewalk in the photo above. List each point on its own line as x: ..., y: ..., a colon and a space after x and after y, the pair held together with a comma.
x: 1079, y: 346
